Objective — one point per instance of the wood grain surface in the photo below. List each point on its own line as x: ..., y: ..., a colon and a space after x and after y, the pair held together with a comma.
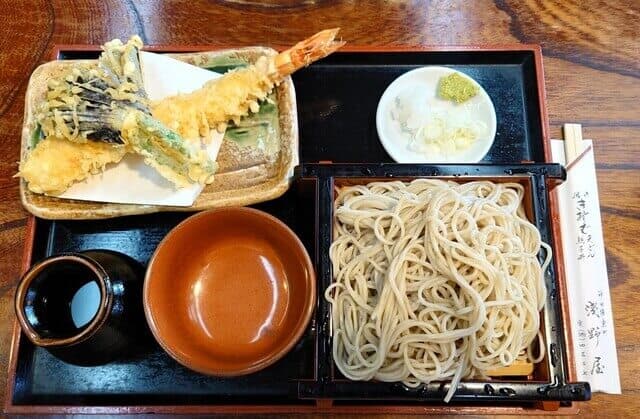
x: 592, y: 71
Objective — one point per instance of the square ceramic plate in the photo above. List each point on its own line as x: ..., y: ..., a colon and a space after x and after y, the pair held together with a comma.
x: 247, y: 174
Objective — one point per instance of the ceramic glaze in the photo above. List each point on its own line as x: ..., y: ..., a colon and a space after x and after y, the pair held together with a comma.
x: 229, y: 291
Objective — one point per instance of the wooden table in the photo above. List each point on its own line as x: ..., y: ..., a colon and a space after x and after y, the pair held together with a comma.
x: 592, y: 71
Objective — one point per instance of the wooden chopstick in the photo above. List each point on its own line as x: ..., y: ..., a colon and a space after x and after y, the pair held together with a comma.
x: 577, y: 159
x: 573, y: 144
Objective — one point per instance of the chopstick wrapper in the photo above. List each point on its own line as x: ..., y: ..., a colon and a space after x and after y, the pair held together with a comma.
x: 587, y: 282
x: 131, y: 181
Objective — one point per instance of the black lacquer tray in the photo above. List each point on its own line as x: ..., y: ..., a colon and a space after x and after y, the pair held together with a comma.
x: 337, y: 100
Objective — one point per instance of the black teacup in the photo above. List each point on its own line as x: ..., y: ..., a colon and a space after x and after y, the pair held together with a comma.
x: 85, y: 308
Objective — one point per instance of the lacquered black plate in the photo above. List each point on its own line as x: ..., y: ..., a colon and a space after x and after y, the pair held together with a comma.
x: 337, y: 99
x: 148, y: 375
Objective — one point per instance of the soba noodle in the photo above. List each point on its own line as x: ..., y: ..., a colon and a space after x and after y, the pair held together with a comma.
x: 434, y: 281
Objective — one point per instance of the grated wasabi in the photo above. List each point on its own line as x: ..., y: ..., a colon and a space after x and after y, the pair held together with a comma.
x: 456, y: 88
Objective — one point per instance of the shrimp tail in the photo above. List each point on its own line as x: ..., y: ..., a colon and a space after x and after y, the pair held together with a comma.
x: 305, y: 52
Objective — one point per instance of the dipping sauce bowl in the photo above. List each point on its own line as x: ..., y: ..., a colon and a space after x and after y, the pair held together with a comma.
x: 229, y: 291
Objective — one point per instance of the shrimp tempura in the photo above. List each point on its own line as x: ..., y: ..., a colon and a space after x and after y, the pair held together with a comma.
x: 238, y: 92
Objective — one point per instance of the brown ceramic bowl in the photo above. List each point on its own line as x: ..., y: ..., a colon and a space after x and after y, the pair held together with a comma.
x: 229, y: 291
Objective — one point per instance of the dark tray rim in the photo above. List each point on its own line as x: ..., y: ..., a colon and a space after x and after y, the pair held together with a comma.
x: 322, y: 406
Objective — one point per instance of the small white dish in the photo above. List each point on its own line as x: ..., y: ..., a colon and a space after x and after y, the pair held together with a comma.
x: 414, y: 95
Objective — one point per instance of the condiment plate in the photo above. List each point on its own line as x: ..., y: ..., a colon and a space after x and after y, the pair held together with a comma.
x: 410, y: 110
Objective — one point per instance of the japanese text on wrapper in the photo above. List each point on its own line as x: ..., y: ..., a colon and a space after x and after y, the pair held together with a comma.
x: 590, y: 331
x: 584, y: 240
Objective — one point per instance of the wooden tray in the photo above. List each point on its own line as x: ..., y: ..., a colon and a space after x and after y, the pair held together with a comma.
x: 337, y: 98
